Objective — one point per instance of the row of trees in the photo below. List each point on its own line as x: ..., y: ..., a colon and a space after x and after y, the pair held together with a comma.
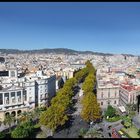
x: 90, y: 106
x: 81, y: 75
x: 57, y: 114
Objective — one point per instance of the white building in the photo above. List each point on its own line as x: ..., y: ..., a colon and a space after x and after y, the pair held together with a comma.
x: 26, y: 93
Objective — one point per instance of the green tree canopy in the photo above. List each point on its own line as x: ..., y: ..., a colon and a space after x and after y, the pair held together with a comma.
x: 23, y: 130
x: 2, y: 135
x: 110, y: 111
x: 19, y: 132
x: 54, y: 116
x: 90, y: 109
x: 138, y: 132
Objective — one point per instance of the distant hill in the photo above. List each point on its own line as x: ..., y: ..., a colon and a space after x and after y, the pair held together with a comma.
x: 57, y: 51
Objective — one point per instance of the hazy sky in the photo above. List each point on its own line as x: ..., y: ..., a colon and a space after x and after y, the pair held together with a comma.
x: 112, y: 27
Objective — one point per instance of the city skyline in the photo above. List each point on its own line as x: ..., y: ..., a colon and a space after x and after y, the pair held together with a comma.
x: 107, y: 27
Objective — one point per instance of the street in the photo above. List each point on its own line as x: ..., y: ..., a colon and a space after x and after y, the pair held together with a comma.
x: 75, y: 123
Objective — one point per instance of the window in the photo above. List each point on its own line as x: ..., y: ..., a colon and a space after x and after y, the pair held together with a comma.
x: 13, y: 97
x: 6, y: 97
x: 115, y: 93
x: 102, y: 95
x: 24, y: 95
x: 1, y: 99
x: 19, y: 93
x: 101, y: 103
x: 115, y: 102
x: 12, y: 94
x: 41, y: 96
x: 12, y: 73
x: 19, y: 96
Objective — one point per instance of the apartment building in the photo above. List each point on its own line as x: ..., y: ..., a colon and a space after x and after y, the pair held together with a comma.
x: 128, y: 94
x: 116, y: 87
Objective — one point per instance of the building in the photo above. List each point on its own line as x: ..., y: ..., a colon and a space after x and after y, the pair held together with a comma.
x: 107, y: 94
x: 107, y: 88
x: 128, y: 94
x: 116, y: 88
x: 24, y: 94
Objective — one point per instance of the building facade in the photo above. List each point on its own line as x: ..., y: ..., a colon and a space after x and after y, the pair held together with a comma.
x: 108, y: 95
x: 24, y: 94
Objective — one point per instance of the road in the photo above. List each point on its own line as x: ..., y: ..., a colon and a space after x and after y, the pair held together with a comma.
x: 104, y: 125
x: 76, y: 123
x: 78, y: 105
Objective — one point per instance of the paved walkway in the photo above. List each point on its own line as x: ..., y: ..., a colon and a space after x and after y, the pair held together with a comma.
x: 78, y: 105
x: 72, y: 131
x: 76, y: 123
x: 136, y: 121
x: 4, y: 127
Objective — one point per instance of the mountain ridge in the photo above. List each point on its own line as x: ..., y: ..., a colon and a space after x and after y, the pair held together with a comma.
x: 58, y: 50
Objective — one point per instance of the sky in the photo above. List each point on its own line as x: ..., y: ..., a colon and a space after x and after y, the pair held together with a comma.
x: 108, y: 27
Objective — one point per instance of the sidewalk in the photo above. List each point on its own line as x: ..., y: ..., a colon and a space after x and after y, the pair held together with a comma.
x: 4, y: 127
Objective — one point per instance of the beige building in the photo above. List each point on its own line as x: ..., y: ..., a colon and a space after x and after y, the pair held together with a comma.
x: 108, y: 94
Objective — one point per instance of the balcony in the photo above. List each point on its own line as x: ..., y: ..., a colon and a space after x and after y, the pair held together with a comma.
x: 44, y: 97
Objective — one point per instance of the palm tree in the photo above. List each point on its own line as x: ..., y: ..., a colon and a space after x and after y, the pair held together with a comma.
x: 138, y: 132
x: 9, y: 119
